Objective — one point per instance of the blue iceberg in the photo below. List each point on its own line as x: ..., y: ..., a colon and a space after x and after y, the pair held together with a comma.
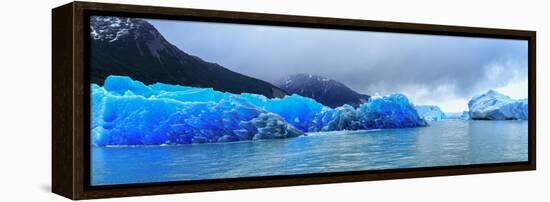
x: 128, y: 112
x: 493, y: 105
x: 465, y: 115
x: 270, y: 126
x: 341, y: 118
x: 392, y: 111
x: 430, y: 112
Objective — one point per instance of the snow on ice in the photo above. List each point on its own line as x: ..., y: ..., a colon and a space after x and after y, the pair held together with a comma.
x: 493, y: 105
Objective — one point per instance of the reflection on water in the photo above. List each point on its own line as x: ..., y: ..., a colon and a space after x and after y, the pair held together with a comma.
x: 443, y: 143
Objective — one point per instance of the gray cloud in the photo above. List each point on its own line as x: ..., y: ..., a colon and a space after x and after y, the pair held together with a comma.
x: 427, y: 68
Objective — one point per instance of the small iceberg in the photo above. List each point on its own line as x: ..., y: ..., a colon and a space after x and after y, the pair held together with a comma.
x: 430, y: 112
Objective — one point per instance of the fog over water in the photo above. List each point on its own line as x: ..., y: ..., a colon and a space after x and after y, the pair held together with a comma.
x: 442, y: 70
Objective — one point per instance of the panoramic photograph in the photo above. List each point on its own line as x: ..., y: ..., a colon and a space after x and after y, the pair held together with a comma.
x: 175, y: 100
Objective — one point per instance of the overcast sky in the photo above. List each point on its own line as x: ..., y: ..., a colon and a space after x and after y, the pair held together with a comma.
x: 439, y: 70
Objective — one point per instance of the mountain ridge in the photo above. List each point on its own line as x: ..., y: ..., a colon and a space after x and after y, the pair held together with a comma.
x: 329, y: 92
x: 135, y: 48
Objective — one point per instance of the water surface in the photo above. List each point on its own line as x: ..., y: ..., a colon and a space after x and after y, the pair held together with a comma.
x: 441, y: 144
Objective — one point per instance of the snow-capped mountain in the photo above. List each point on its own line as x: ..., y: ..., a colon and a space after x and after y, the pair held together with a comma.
x: 111, y: 28
x: 135, y: 48
x: 493, y: 105
x: 326, y: 91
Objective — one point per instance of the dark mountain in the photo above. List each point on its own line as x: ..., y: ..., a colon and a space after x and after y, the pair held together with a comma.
x: 326, y: 91
x: 133, y: 47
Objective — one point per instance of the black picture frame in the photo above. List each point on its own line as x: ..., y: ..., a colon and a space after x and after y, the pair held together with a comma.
x: 71, y: 95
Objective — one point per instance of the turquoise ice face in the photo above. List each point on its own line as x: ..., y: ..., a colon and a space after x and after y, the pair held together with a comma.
x: 128, y: 112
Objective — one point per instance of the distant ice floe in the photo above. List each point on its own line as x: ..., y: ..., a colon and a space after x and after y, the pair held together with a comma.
x: 430, y: 112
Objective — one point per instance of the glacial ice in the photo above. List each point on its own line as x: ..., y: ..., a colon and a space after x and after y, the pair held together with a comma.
x: 128, y: 112
x: 430, y: 112
x: 493, y: 105
x: 391, y: 111
x: 270, y: 126
x: 465, y: 115
x: 341, y: 118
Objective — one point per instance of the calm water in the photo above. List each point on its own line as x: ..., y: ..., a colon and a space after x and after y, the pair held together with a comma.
x: 443, y: 143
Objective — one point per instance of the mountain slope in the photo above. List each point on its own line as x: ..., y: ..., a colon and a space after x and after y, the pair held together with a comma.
x: 133, y: 47
x: 326, y: 91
